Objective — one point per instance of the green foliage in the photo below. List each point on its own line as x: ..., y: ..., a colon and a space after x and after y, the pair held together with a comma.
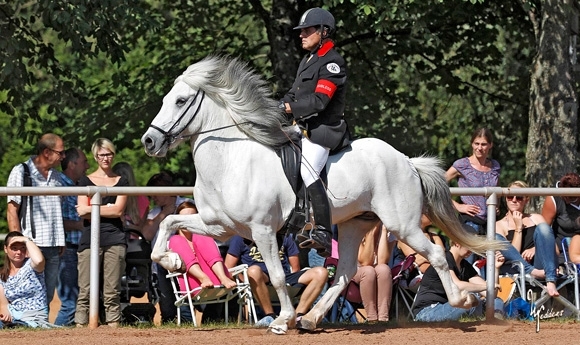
x: 33, y: 33
x: 422, y: 75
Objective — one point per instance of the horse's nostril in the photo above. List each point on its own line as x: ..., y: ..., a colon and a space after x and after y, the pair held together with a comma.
x: 147, y: 142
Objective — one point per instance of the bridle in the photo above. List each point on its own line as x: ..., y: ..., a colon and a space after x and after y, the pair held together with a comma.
x: 172, y: 135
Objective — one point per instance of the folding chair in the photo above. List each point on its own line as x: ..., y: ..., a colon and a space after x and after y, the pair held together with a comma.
x: 528, y: 284
x: 406, y: 281
x: 349, y: 302
x: 245, y: 296
x: 294, y: 292
x: 507, y: 288
x: 571, y: 269
x: 214, y: 295
x: 350, y: 295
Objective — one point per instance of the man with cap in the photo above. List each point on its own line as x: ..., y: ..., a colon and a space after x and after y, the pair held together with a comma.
x: 316, y: 101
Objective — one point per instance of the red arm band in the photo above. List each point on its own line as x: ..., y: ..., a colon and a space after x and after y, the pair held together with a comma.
x: 325, y: 87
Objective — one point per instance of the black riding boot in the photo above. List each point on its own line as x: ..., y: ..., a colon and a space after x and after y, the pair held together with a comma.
x: 320, y: 237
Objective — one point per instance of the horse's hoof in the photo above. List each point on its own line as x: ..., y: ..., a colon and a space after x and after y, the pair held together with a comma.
x: 182, y: 268
x: 171, y: 262
x: 472, y: 301
x: 305, y: 325
x: 278, y: 329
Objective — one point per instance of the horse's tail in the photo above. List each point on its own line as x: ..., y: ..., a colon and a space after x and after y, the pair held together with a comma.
x: 440, y: 210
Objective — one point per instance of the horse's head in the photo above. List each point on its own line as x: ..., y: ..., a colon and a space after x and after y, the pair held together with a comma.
x: 172, y: 124
x: 213, y: 94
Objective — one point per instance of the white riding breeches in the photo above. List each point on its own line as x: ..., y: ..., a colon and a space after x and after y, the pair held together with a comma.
x: 314, y: 159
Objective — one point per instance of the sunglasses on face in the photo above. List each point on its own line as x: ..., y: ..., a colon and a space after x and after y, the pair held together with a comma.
x: 514, y: 198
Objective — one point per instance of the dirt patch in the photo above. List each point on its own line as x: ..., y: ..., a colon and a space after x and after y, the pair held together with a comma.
x: 459, y: 333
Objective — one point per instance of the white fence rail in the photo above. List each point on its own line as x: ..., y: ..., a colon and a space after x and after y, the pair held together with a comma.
x: 492, y: 195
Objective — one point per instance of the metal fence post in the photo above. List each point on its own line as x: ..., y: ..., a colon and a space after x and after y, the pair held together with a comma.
x: 490, y: 257
x: 94, y: 263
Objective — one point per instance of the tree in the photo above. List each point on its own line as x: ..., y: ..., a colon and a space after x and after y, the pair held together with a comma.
x: 36, y: 81
x: 422, y: 74
x: 553, y: 132
x: 402, y: 56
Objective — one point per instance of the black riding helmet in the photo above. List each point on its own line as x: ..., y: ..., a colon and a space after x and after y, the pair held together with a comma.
x: 317, y: 17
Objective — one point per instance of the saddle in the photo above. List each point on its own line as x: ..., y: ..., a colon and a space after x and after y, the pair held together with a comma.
x: 291, y: 157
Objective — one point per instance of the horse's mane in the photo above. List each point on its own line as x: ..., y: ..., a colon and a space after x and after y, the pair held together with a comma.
x: 231, y: 84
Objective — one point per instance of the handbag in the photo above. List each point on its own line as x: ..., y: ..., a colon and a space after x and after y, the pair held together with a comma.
x: 26, y: 200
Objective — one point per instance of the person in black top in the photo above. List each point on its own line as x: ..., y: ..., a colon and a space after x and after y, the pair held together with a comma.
x: 563, y: 214
x: 316, y: 103
x: 431, y: 304
x: 113, y: 243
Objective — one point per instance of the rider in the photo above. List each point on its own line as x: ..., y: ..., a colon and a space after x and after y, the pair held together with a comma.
x: 316, y: 101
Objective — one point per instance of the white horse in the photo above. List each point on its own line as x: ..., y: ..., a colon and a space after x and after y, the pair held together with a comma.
x: 224, y: 109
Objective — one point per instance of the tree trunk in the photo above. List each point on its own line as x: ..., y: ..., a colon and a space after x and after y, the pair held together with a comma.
x: 552, y: 138
x: 285, y: 52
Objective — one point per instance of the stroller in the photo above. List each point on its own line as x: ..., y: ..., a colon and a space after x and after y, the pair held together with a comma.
x: 137, y: 281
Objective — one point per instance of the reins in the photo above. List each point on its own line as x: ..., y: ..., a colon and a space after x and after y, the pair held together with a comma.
x: 170, y: 138
x: 212, y: 130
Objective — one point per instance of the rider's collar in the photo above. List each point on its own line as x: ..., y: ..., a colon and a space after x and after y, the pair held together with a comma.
x: 325, y: 48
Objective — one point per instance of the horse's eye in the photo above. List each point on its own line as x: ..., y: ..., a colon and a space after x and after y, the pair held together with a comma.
x: 180, y: 102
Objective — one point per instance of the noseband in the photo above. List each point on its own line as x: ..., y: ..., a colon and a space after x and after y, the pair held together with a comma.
x: 172, y: 135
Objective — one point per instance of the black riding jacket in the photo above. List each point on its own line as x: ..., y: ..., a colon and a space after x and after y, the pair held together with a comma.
x: 317, y: 97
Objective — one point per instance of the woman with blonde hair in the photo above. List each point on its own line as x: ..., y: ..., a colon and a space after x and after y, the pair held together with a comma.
x: 530, y: 237
x: 113, y: 243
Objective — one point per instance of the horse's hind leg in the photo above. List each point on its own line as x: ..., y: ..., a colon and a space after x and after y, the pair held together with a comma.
x: 350, y: 235
x: 436, y: 256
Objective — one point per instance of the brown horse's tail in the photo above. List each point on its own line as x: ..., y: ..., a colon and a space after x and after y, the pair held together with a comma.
x: 440, y: 210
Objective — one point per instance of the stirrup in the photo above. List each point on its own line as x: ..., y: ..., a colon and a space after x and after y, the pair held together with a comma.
x: 304, y: 235
x: 308, y: 243
x: 320, y: 249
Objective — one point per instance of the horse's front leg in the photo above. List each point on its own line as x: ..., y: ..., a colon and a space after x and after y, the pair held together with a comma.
x: 268, y: 247
x: 167, y: 259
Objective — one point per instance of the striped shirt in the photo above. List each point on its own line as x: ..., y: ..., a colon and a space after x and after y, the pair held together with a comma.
x: 47, y: 209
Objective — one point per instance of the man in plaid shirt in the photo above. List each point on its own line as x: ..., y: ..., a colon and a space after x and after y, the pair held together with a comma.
x: 43, y: 220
